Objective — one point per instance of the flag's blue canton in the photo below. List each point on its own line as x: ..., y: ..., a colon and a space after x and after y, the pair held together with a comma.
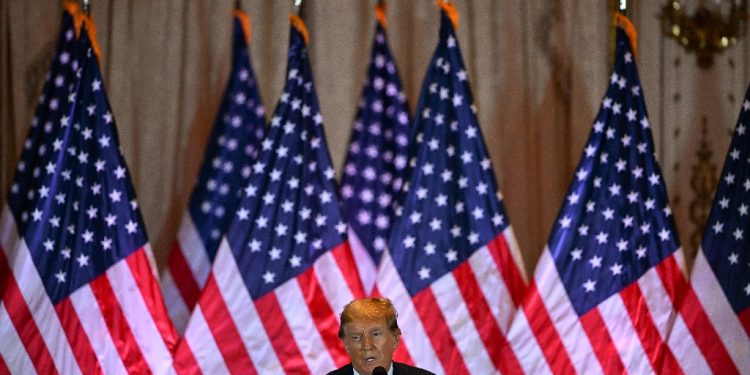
x: 289, y: 214
x: 725, y: 242
x: 373, y: 172
x: 83, y: 216
x: 452, y: 206
x: 235, y: 138
x: 52, y: 106
x: 615, y: 223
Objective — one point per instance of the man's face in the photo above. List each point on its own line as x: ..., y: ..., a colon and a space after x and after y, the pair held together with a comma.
x: 370, y: 344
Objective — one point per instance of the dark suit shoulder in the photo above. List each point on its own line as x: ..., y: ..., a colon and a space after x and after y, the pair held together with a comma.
x: 404, y: 369
x: 343, y: 370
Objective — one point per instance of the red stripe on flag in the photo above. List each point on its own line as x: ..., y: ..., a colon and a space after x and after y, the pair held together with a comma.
x: 706, y: 338
x: 705, y: 335
x: 119, y: 330
x: 323, y: 315
x: 745, y: 320
x: 183, y: 276
x: 673, y: 280
x: 151, y: 292
x: 80, y: 344
x: 661, y: 357
x: 481, y: 314
x: 225, y: 333
x: 546, y: 333
x: 23, y: 321
x: 401, y: 354
x: 601, y: 342
x: 184, y: 360
x: 440, y: 335
x: 508, y: 268
x: 402, y: 351
x: 280, y: 335
x: 345, y: 260
x: 3, y: 367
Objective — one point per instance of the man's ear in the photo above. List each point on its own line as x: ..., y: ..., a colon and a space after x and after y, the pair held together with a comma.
x: 397, y: 339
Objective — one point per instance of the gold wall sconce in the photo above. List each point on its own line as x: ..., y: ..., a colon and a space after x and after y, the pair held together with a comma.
x: 707, y: 32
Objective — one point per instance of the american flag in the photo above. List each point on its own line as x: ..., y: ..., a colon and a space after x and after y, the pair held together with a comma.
x: 601, y: 297
x: 375, y: 163
x: 713, y: 334
x: 79, y: 289
x: 452, y: 268
x: 236, y: 135
x: 284, y: 270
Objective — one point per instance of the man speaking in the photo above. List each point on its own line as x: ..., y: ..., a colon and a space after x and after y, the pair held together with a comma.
x: 370, y: 334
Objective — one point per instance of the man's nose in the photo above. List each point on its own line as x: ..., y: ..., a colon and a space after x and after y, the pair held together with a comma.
x: 367, y: 342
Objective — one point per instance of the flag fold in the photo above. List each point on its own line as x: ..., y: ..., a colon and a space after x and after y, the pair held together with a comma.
x: 715, y: 334
x: 284, y: 270
x: 376, y: 160
x: 235, y: 138
x: 452, y: 267
x: 79, y: 291
x: 601, y: 300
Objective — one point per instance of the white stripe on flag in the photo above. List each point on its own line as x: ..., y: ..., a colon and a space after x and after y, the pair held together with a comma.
x: 11, y: 348
x: 459, y: 321
x: 525, y: 345
x: 242, y: 308
x: 413, y: 333
x: 515, y: 251
x: 493, y: 288
x: 366, y: 267
x: 564, y: 317
x: 178, y: 310
x: 192, y: 249
x: 333, y: 283
x: 33, y: 292
x: 302, y: 326
x: 685, y: 349
x: 85, y: 305
x: 624, y: 337
x: 207, y: 354
x: 139, y: 318
x: 720, y: 312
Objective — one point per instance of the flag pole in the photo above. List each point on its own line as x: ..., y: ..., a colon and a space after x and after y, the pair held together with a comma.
x: 298, y: 19
x: 380, y: 13
x: 300, y: 6
x: 621, y: 18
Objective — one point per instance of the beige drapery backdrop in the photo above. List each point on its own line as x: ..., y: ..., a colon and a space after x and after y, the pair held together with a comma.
x: 538, y: 69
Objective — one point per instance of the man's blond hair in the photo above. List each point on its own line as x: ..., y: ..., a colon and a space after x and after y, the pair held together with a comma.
x: 372, y: 308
